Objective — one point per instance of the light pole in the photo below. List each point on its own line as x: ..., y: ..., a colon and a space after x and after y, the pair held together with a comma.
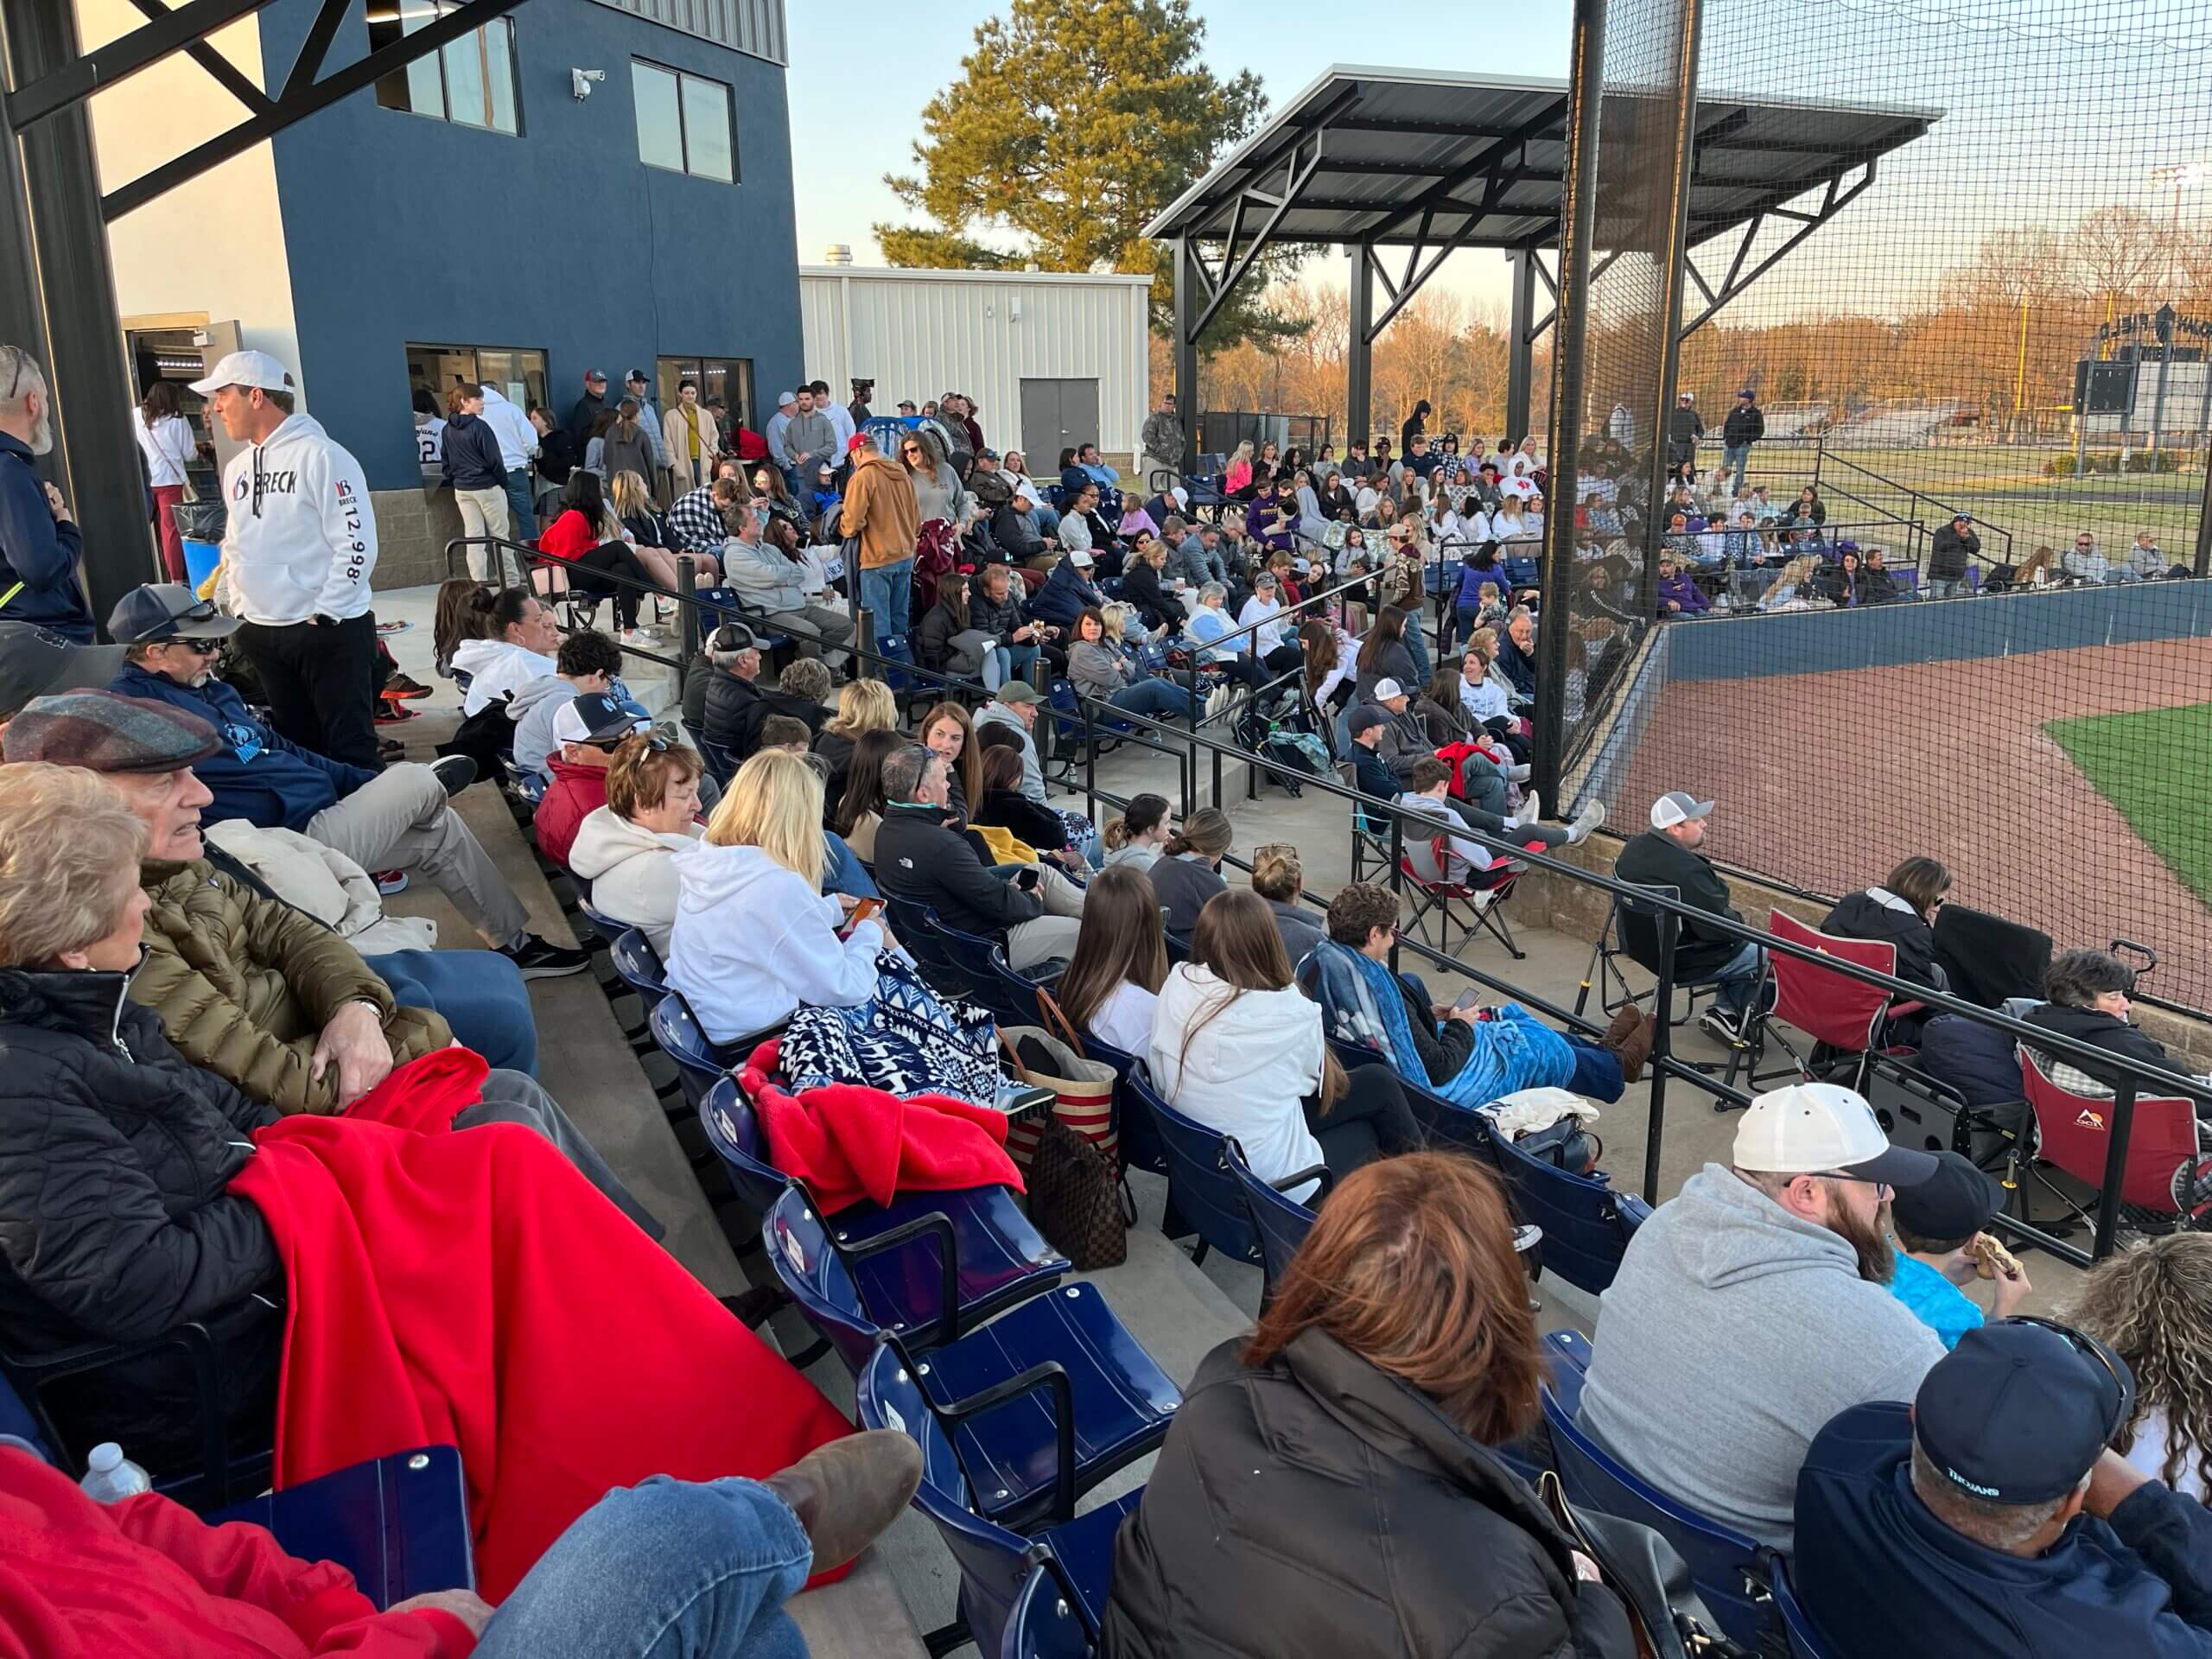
x: 2181, y: 175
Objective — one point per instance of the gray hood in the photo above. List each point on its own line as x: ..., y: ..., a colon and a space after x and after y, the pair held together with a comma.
x: 1724, y: 1231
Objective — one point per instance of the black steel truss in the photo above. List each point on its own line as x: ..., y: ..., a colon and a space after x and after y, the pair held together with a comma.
x: 186, y: 28
x: 1835, y: 199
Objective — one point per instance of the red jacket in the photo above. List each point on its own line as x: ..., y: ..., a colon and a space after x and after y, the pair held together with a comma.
x: 577, y: 793
x: 147, y: 1578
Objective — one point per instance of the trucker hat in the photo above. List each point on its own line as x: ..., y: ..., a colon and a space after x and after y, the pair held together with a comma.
x: 1387, y: 688
x: 155, y: 611
x: 1823, y: 1128
x: 1677, y: 807
x: 2021, y: 1409
x: 36, y: 662
x: 256, y: 369
x: 595, y: 717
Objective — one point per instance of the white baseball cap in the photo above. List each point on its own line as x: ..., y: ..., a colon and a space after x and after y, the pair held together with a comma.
x: 783, y: 398
x: 1819, y: 1128
x: 1080, y: 557
x: 1386, y: 690
x: 257, y: 369
x: 1676, y: 807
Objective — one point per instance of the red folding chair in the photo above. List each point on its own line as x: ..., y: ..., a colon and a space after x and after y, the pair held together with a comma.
x: 1480, y: 895
x: 2076, y: 1130
x: 1846, y: 1013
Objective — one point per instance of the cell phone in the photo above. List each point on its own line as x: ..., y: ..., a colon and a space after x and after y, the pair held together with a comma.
x: 863, y: 910
x: 1469, y: 997
x: 1027, y: 881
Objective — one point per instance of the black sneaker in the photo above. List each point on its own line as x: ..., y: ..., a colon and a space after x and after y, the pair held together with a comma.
x: 543, y: 959
x: 455, y: 771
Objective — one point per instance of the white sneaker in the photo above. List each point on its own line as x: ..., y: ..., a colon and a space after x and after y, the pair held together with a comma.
x: 1518, y: 774
x: 1532, y: 809
x: 1591, y: 818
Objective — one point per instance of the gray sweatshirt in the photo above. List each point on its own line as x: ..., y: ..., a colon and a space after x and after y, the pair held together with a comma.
x: 1731, y: 1336
x: 810, y: 438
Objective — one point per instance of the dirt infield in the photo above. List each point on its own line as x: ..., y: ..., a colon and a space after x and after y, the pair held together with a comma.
x: 1825, y: 780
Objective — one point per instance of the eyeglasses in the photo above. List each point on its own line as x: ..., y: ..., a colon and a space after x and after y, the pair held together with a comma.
x: 1883, y: 1190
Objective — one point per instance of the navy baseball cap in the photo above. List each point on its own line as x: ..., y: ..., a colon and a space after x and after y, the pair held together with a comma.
x: 155, y: 611
x: 595, y: 717
x: 2021, y: 1408
x: 1956, y: 1202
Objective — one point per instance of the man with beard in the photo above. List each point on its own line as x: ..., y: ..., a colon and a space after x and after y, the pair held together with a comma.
x: 40, y: 543
x: 1754, y: 1307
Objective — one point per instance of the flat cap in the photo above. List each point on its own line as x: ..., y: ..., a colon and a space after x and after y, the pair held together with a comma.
x: 105, y: 731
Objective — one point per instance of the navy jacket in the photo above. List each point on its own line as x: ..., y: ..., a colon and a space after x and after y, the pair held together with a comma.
x: 1881, y: 1576
x: 267, y: 780
x: 38, y: 552
x: 1064, y: 594
x: 472, y: 454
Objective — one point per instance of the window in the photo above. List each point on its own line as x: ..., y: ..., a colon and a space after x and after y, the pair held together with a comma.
x: 470, y: 81
x: 729, y: 378
x: 520, y: 375
x: 684, y: 122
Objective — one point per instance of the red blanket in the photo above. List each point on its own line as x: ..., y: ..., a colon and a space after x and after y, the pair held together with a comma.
x: 473, y: 1290
x: 848, y: 1142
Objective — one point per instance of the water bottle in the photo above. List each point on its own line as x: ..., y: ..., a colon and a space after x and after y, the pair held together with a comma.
x: 110, y: 1477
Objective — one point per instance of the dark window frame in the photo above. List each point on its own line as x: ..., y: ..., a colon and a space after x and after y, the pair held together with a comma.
x: 681, y: 78
x: 399, y: 78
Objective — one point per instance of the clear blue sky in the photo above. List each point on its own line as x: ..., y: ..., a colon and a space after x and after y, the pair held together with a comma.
x: 858, y: 83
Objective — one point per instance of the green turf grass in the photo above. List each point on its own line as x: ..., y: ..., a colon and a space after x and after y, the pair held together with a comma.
x: 2153, y: 766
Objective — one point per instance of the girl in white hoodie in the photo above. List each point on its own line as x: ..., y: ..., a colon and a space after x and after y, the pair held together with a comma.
x: 755, y: 937
x: 627, y: 849
x: 1239, y: 1047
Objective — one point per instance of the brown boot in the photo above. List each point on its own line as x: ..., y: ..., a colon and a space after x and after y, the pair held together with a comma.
x: 1632, y: 1045
x: 1623, y: 1022
x: 846, y: 1493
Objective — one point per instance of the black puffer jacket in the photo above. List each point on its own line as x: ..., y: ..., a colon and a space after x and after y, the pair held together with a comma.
x: 1888, y: 919
x: 1317, y: 1508
x: 115, y: 1225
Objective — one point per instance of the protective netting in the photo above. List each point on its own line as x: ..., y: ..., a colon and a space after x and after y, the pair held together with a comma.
x: 2008, y: 320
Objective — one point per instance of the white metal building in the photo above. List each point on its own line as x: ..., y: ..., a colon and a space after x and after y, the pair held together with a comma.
x: 1050, y: 358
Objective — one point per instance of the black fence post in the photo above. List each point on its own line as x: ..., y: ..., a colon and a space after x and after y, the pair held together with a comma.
x: 1663, y: 1048
x: 2123, y: 1128
x: 687, y: 622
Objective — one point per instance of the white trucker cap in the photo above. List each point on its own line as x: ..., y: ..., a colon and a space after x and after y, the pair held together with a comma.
x: 1822, y: 1128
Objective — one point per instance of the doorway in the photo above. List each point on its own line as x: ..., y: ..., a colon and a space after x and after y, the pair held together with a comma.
x: 1056, y: 415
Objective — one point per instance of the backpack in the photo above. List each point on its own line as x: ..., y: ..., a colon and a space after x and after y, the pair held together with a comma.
x: 936, y: 555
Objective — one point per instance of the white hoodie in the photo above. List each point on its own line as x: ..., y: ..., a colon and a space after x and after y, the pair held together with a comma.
x: 753, y: 942
x: 496, y: 667
x: 301, y: 540
x: 1249, y: 1067
x: 631, y: 871
x: 518, y: 437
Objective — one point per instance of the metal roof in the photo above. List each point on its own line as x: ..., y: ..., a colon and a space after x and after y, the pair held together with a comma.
x: 1412, y: 156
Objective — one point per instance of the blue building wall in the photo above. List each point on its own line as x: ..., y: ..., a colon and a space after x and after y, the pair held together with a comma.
x: 399, y: 227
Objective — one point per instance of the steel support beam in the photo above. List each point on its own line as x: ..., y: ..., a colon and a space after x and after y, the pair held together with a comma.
x: 1520, y: 343
x: 1359, y: 367
x: 1838, y: 197
x: 1674, y: 264
x: 1187, y: 282
x: 48, y: 86
x: 57, y: 300
x: 1578, y: 225
x: 220, y: 69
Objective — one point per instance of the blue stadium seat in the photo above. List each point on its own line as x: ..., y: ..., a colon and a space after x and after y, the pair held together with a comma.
x: 1042, y: 1404
x: 940, y: 960
x: 1280, y: 1222
x: 1133, y: 1121
x: 999, y: 1257
x: 699, y: 1062
x: 19, y: 1423
x: 1203, y: 1195
x: 951, y: 1418
x: 1017, y: 991
x: 640, y: 966
x: 398, y: 1524
x: 1805, y: 1642
x: 1722, y: 1563
x: 968, y: 959
x: 1044, y: 1623
x: 1586, y: 1224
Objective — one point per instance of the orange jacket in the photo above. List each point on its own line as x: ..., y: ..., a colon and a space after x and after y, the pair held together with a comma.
x: 880, y: 508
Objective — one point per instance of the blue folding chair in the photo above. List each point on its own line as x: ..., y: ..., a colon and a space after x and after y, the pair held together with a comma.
x: 1586, y: 1224
x: 1723, y: 1564
x: 894, y: 1254
x: 1280, y: 1222
x: 995, y: 1550
x: 1805, y: 1642
x: 1203, y: 1195
x: 1044, y: 1624
x: 399, y: 1524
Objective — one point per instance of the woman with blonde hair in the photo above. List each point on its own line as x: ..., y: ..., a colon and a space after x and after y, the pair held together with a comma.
x: 1279, y: 878
x: 862, y: 706
x: 1357, y: 1424
x: 2152, y: 1304
x: 1236, y: 477
x: 755, y: 937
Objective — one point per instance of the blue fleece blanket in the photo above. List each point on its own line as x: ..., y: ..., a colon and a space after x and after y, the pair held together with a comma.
x: 1512, y: 1051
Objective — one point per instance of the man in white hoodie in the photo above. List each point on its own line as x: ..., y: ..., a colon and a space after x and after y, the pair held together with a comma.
x: 517, y: 448
x: 297, y: 555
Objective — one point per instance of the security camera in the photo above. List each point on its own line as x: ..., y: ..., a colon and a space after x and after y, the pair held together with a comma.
x: 580, y: 82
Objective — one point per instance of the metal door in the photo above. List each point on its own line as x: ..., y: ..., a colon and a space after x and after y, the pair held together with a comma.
x: 1056, y: 415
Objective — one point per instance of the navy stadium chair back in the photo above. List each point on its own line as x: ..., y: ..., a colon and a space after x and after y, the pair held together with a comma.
x: 1805, y: 1642
x: 398, y: 1524
x: 1044, y: 1623
x: 1202, y: 1195
x: 639, y: 965
x: 1280, y: 1222
x: 1586, y: 1224
x: 734, y: 1132
x: 1719, y: 1559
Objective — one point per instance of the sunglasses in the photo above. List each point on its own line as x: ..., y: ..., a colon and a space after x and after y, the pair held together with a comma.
x: 2123, y: 1382
x: 203, y: 647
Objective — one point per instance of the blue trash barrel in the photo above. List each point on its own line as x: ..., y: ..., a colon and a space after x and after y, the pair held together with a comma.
x: 200, y: 560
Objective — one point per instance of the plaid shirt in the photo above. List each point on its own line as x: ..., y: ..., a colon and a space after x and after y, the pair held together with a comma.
x: 697, y: 522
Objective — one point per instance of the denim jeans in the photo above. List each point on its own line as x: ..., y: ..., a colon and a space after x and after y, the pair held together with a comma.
x: 998, y: 667
x: 1735, y: 459
x: 1045, y: 520
x: 479, y: 993
x: 522, y: 512
x: 666, y: 1569
x: 843, y: 872
x: 1596, y: 1071
x: 1021, y: 665
x: 888, y: 593
x: 1155, y: 698
x: 1947, y: 586
x: 1738, y: 977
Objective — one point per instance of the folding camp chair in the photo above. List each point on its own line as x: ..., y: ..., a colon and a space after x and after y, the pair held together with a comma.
x: 1045, y: 1414
x: 2074, y: 1132
x: 1633, y: 929
x: 1724, y: 1564
x: 1846, y: 1014
x: 1476, y: 899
